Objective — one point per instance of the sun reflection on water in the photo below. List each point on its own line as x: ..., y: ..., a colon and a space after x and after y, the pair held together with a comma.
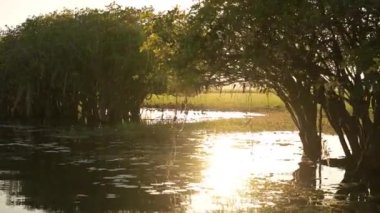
x: 224, y: 175
x: 234, y: 160
x: 199, y: 172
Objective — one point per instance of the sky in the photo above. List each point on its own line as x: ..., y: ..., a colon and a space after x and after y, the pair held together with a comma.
x: 14, y: 12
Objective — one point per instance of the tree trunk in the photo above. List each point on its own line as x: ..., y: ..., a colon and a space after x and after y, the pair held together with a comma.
x: 300, y: 103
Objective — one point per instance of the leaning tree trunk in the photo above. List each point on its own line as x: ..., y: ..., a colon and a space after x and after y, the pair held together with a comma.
x: 368, y: 168
x: 359, y: 136
x: 302, y: 107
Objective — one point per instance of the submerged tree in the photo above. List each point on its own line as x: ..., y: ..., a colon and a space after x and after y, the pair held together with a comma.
x: 310, y: 53
x: 82, y: 66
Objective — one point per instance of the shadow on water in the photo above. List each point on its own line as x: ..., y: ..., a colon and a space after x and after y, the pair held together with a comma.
x: 55, y: 172
x: 46, y: 170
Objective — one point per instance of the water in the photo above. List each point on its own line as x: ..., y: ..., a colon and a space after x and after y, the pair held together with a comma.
x: 50, y: 170
x: 153, y: 115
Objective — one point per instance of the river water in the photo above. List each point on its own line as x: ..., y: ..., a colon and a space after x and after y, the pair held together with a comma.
x: 49, y: 170
x: 153, y: 115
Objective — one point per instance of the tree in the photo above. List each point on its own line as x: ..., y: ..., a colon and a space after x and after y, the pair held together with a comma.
x: 165, y: 33
x: 82, y: 66
x: 309, y: 53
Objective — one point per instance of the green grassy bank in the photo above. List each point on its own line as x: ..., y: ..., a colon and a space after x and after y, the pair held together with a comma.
x: 227, y: 101
x: 276, y: 119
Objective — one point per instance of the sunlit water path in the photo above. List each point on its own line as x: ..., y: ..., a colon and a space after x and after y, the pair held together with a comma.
x: 42, y: 171
x: 154, y: 115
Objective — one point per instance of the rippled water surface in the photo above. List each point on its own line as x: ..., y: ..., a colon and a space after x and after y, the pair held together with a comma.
x: 46, y: 170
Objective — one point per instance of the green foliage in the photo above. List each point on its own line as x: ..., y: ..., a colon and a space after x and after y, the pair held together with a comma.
x: 166, y: 33
x: 82, y: 66
x: 308, y: 52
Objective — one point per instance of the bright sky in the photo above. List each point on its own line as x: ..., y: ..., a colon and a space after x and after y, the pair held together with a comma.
x: 14, y: 12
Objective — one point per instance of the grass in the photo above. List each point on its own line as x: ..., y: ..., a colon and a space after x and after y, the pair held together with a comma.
x: 272, y: 121
x: 276, y: 119
x: 228, y: 101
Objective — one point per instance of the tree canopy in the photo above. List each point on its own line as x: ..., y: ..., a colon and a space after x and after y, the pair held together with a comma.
x: 310, y: 53
x: 85, y: 66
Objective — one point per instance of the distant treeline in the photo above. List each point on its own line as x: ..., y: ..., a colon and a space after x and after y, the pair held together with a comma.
x: 86, y: 66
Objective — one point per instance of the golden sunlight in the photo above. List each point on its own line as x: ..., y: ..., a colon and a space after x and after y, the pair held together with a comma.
x: 233, y: 160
